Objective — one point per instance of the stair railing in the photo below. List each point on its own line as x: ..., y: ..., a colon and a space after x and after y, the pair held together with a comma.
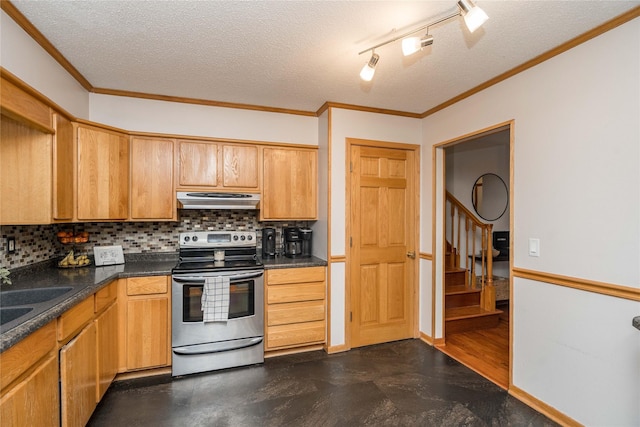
x: 464, y: 240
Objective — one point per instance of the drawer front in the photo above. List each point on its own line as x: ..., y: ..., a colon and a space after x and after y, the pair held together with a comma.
x: 296, y: 312
x: 294, y: 293
x: 106, y: 296
x: 296, y: 334
x: 147, y: 285
x: 295, y: 275
x: 74, y: 319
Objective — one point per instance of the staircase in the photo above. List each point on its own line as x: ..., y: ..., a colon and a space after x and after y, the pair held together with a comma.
x: 469, y: 299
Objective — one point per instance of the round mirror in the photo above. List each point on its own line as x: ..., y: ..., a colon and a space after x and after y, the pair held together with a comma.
x: 490, y: 197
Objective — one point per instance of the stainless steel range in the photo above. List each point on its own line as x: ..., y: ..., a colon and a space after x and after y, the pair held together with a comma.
x: 217, y: 302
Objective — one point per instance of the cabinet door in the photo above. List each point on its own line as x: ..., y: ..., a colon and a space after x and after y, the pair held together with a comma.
x: 107, y: 348
x: 290, y: 183
x: 198, y: 164
x: 147, y: 332
x: 78, y: 368
x: 240, y: 167
x: 103, y: 174
x: 34, y: 401
x: 152, y: 195
x: 25, y: 174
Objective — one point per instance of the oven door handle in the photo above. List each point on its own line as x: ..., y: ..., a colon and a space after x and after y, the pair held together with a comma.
x: 200, y: 279
x: 217, y: 347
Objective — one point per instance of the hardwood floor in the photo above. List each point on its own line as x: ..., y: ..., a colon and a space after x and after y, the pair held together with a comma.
x: 486, y: 351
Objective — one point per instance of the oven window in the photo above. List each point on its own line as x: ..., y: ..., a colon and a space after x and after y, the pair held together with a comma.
x: 241, y: 301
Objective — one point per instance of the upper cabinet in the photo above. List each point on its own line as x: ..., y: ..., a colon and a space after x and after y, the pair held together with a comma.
x: 290, y: 184
x: 63, y: 169
x: 152, y: 163
x: 25, y: 174
x: 103, y: 174
x: 213, y: 166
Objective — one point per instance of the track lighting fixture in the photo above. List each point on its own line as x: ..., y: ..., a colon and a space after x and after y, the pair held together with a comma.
x: 473, y: 16
x: 369, y: 68
x: 411, y: 45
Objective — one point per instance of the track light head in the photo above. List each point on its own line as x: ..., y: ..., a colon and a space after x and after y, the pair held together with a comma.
x: 473, y: 16
x: 369, y: 68
x: 411, y: 45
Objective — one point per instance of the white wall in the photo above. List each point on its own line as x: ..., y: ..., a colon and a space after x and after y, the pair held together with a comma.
x: 146, y: 115
x: 363, y: 125
x: 24, y: 58
x: 577, y: 189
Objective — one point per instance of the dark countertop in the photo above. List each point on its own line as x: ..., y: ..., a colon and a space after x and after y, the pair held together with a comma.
x: 85, y: 281
x: 284, y: 262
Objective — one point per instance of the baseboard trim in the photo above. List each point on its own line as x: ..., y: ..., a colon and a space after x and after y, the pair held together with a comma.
x: 142, y: 374
x: 283, y: 352
x: 337, y: 349
x: 542, y: 407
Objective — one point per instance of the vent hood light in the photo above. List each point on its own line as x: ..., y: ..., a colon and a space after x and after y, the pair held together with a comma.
x: 212, y: 200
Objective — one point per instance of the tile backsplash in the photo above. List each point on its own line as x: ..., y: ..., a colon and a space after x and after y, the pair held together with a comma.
x: 36, y: 243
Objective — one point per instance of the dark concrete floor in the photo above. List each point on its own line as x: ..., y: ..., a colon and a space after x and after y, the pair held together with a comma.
x: 405, y: 383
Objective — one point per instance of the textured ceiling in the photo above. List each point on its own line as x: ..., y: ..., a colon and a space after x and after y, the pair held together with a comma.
x: 299, y: 54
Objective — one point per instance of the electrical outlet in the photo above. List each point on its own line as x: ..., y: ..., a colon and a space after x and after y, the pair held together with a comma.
x: 11, y: 244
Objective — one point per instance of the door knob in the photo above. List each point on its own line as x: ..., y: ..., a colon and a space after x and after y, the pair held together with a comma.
x: 411, y: 254
x: 636, y: 322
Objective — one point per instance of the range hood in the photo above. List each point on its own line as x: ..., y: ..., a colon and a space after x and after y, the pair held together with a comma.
x: 212, y: 200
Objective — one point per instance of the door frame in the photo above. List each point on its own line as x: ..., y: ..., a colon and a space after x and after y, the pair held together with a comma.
x: 349, y: 142
x: 439, y: 230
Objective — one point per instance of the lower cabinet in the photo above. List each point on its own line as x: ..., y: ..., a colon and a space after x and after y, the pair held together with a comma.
x: 29, y: 380
x: 107, y: 346
x: 78, y: 377
x: 88, y: 335
x: 295, y: 301
x: 145, y: 322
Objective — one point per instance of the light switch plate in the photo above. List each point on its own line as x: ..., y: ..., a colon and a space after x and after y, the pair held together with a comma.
x: 534, y: 247
x: 108, y: 255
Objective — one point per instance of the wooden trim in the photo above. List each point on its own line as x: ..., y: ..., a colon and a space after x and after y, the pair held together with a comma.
x: 337, y: 349
x: 11, y: 78
x: 434, y: 163
x: 39, y: 38
x: 101, y: 126
x: 329, y: 104
x: 426, y: 339
x: 426, y: 256
x: 286, y: 351
x: 601, y: 29
x: 382, y: 144
x: 602, y: 288
x: 338, y: 258
x: 197, y: 101
x: 542, y: 407
x: 329, y: 165
x: 438, y: 342
x: 142, y: 373
x: 489, y: 130
x: 220, y: 140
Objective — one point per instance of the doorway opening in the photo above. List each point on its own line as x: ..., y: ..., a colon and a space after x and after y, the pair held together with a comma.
x: 474, y: 176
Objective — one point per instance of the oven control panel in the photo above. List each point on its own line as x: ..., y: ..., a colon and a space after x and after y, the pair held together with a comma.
x: 217, y: 239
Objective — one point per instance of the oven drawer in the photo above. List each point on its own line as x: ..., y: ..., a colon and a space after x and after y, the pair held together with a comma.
x: 147, y: 285
x: 296, y: 312
x: 293, y: 293
x: 295, y: 334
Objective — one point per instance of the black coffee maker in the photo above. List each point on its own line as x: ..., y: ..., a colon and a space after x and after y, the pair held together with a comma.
x: 268, y: 242
x: 297, y: 242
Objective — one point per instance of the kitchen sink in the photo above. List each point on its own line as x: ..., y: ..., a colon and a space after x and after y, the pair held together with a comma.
x: 7, y: 314
x: 30, y: 296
